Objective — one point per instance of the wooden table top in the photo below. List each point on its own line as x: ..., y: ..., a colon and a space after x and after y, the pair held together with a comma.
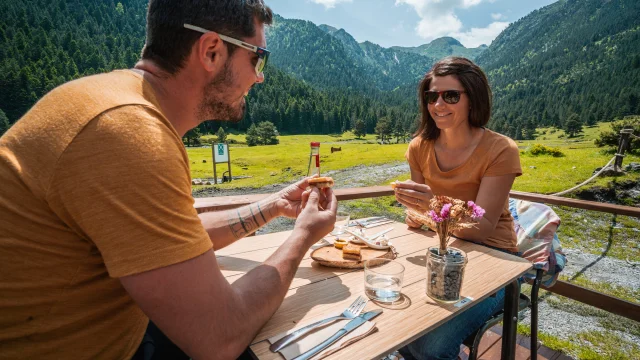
x: 317, y: 291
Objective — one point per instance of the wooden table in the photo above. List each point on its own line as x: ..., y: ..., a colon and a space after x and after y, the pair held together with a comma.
x: 317, y: 291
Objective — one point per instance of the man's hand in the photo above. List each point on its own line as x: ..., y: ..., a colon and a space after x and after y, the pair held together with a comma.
x: 291, y: 200
x: 316, y: 222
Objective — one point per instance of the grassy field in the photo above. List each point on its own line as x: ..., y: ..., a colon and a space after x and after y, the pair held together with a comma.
x: 265, y: 165
x: 608, y: 235
x: 289, y: 160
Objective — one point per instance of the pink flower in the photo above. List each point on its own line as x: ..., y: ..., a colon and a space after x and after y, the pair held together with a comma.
x: 444, y: 213
x: 435, y: 216
x: 478, y: 212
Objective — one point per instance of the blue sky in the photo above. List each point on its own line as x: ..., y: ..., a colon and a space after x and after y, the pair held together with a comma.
x: 411, y: 22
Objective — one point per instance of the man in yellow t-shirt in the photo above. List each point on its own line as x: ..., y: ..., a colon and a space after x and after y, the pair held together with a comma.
x: 98, y: 233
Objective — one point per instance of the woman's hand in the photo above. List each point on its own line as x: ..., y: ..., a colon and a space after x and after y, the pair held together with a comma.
x: 411, y: 222
x: 413, y: 195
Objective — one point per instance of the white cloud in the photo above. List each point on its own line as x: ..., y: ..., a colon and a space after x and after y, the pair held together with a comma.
x: 497, y: 16
x: 478, y: 36
x: 438, y: 18
x: 329, y: 3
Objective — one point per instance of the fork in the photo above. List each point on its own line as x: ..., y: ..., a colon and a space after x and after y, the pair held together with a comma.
x: 349, y: 313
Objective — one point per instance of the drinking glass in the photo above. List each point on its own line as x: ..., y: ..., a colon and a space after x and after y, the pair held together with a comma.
x: 342, y: 223
x: 383, y: 279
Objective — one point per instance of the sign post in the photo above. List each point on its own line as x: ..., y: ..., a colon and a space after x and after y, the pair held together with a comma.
x: 220, y: 155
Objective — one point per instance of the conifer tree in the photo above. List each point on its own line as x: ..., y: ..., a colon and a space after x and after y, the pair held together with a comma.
x: 383, y: 128
x: 221, y: 135
x: 267, y: 133
x: 573, y: 125
x: 253, y: 138
x: 360, y: 129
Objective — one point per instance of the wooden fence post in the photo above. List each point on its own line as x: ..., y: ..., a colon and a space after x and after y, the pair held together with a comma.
x: 622, y: 147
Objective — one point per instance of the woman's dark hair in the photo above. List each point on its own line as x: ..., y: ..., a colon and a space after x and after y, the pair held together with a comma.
x: 475, y: 84
x: 168, y: 43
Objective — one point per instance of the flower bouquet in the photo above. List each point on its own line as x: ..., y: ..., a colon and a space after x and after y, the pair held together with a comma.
x: 445, y: 265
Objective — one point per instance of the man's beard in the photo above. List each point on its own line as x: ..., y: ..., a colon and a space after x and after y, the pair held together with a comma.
x: 214, y: 106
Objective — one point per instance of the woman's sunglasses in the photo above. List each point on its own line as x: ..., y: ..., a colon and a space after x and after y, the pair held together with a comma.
x: 449, y: 96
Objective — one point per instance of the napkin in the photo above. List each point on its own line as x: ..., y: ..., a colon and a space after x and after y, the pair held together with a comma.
x: 308, y: 341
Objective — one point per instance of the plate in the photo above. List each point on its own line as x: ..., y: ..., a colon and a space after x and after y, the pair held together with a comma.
x: 364, y: 241
x: 378, y: 247
x: 332, y: 257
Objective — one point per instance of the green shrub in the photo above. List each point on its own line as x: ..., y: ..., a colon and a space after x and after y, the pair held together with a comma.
x: 539, y: 149
x: 612, y: 137
x: 210, y: 141
x: 263, y: 134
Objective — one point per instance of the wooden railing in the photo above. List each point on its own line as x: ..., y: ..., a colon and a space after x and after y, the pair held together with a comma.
x: 602, y: 301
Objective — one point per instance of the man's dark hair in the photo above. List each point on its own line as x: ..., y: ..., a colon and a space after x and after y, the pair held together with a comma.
x: 475, y: 84
x: 168, y: 43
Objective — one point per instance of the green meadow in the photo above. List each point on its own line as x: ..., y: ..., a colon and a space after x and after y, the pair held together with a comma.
x: 288, y: 161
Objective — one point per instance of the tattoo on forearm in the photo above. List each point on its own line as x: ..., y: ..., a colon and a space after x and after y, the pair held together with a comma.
x: 236, y: 228
x: 244, y: 222
x: 253, y: 216
x: 261, y: 214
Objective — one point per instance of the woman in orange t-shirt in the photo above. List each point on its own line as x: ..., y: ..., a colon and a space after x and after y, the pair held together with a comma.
x: 453, y: 154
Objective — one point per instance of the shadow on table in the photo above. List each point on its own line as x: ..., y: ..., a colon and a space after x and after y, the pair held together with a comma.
x: 400, y: 304
x: 420, y: 260
x: 324, y: 286
x: 305, y: 298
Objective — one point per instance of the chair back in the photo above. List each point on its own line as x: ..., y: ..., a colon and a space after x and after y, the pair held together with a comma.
x: 536, y: 228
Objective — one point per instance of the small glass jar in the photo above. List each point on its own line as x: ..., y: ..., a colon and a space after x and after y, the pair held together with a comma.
x: 445, y: 274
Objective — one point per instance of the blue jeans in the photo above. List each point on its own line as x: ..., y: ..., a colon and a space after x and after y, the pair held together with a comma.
x: 444, y: 342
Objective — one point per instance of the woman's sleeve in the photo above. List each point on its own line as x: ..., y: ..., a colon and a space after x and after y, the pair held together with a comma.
x: 413, y: 155
x: 507, y: 160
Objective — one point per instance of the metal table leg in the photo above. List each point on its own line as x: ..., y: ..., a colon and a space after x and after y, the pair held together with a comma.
x: 510, y: 322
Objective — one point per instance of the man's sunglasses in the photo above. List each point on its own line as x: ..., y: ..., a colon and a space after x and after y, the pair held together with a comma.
x: 449, y: 96
x: 263, y: 54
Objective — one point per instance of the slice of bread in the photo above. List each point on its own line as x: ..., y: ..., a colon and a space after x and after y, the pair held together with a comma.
x: 351, y: 252
x: 321, y: 182
x: 351, y: 257
x: 351, y: 249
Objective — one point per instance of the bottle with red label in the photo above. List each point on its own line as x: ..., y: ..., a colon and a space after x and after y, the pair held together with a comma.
x: 314, y: 159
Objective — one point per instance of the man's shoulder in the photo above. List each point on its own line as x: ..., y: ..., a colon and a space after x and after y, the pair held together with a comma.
x: 103, y: 91
x: 64, y: 112
x: 135, y: 124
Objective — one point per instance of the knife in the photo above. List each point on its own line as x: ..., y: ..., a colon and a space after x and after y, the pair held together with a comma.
x: 378, y: 234
x: 378, y: 223
x: 363, y: 222
x: 352, y: 325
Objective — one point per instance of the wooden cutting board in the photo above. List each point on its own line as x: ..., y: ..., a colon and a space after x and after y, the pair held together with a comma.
x: 332, y: 257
